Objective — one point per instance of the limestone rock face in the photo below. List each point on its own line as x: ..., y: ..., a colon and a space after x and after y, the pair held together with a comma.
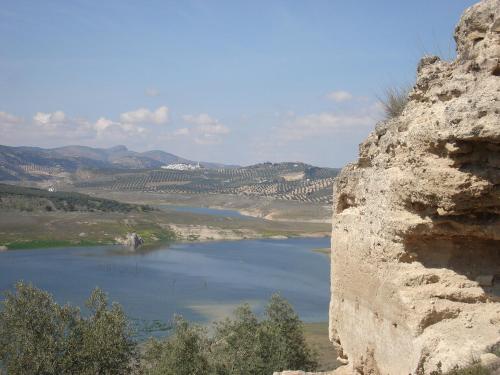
x: 416, y: 225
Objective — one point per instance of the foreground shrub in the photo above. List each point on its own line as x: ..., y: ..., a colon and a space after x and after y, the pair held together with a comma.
x: 284, y: 344
x: 102, y: 343
x: 241, y: 345
x: 38, y: 336
x: 33, y: 332
x: 236, y: 345
x: 183, y: 353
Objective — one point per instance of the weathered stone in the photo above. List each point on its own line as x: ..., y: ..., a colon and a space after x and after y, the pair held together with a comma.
x: 131, y: 240
x: 417, y: 220
x: 3, y: 248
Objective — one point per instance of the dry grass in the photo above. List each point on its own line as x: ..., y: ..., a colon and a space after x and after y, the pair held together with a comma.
x: 394, y: 101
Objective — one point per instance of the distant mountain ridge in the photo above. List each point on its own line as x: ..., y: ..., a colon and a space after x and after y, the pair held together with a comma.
x: 33, y: 163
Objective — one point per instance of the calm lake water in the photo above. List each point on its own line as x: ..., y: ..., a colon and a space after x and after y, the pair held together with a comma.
x: 202, y: 281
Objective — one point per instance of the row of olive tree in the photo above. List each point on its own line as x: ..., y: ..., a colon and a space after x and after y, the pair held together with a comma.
x: 38, y: 336
x: 242, y: 345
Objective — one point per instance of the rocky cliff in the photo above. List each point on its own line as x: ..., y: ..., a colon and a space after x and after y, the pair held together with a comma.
x: 416, y: 229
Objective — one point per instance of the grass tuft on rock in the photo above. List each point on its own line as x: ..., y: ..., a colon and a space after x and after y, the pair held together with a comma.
x: 394, y: 100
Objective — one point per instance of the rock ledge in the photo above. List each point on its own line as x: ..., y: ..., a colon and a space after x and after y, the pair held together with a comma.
x: 416, y: 226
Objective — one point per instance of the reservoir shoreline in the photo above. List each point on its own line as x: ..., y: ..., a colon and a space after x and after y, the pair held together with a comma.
x: 204, y: 281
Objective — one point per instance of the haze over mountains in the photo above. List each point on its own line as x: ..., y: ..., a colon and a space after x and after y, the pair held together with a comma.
x: 27, y: 162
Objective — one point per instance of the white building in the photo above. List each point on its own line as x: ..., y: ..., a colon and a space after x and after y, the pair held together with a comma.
x: 182, y: 167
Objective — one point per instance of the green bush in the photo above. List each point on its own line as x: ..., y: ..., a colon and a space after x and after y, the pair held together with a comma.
x: 184, y: 353
x: 241, y: 345
x: 38, y: 336
x: 33, y: 332
x: 102, y: 343
x: 236, y: 344
x: 284, y: 345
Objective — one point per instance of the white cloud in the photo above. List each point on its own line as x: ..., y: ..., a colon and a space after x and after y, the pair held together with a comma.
x: 9, y: 119
x: 207, y: 130
x: 207, y: 139
x: 102, y: 124
x: 328, y: 123
x: 200, y: 119
x: 132, y: 129
x: 197, y: 119
x: 206, y: 124
x: 339, y: 96
x: 213, y: 129
x: 152, y: 92
x: 323, y: 123
x: 56, y: 128
x: 53, y: 126
x: 49, y: 120
x: 182, y: 131
x: 132, y: 123
x: 106, y: 128
x: 145, y: 116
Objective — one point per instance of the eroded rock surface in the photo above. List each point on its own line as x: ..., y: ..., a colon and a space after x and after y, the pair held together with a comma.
x: 131, y: 240
x: 416, y: 228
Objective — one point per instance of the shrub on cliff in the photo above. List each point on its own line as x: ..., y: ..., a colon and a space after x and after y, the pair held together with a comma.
x: 38, y: 336
x: 394, y: 101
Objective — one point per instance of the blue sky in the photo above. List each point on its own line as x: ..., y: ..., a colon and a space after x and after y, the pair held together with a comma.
x: 226, y: 81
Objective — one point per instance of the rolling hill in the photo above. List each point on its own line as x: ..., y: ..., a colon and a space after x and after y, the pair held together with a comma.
x: 120, y: 169
x: 33, y: 163
x: 20, y: 198
x: 284, y: 181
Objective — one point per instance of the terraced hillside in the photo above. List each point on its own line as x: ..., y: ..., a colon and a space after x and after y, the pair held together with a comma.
x: 286, y: 181
x: 20, y: 198
x: 38, y: 164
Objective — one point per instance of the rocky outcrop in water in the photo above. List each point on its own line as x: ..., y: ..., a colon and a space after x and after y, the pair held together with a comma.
x: 131, y: 240
x: 416, y: 226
